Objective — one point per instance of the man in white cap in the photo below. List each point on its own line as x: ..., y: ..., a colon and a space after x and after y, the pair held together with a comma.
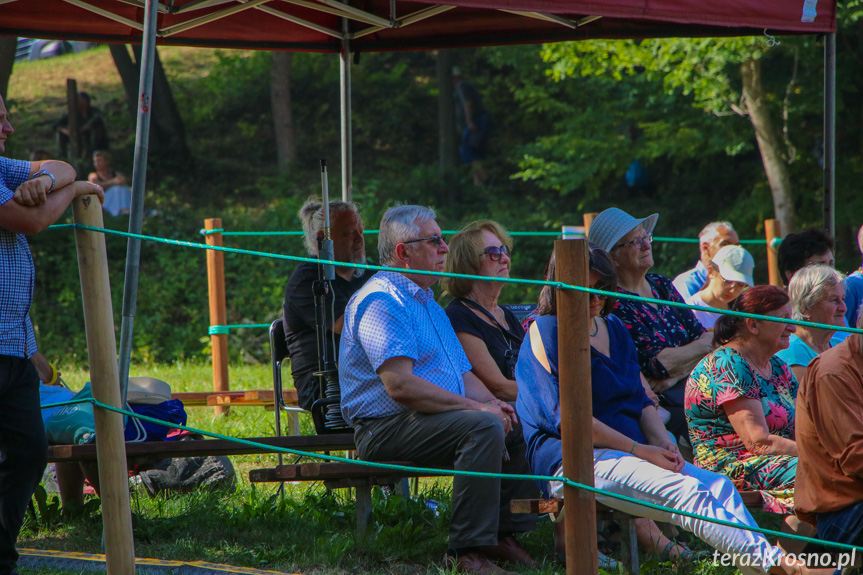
x: 729, y: 273
x: 712, y: 238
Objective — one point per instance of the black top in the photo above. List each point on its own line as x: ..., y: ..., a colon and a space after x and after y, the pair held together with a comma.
x: 503, y: 342
x: 300, y: 335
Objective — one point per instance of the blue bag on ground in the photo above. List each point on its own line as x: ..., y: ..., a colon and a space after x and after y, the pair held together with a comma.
x: 72, y: 423
x: 171, y: 411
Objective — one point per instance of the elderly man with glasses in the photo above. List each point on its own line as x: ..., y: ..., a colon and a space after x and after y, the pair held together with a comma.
x: 408, y: 391
x: 714, y: 236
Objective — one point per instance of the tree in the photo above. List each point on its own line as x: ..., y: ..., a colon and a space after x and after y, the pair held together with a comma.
x: 280, y: 101
x: 8, y: 44
x: 167, y: 131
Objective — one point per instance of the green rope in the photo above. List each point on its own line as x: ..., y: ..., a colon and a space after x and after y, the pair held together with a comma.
x: 453, y: 472
x: 222, y: 231
x: 223, y: 329
x: 559, y: 285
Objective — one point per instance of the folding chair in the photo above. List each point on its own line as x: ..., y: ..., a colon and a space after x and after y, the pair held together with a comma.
x: 279, y: 354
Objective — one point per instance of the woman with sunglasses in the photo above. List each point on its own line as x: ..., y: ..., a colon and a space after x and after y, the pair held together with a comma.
x: 670, y: 341
x: 490, y: 334
x: 633, y: 455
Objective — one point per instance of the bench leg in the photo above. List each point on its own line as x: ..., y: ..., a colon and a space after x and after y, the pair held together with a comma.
x: 294, y: 423
x: 364, y: 508
x: 628, y: 542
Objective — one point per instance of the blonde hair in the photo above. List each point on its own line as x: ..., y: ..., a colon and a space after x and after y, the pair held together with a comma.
x: 312, y: 216
x: 466, y: 253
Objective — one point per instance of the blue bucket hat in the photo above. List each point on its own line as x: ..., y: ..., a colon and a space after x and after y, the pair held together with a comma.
x: 612, y: 224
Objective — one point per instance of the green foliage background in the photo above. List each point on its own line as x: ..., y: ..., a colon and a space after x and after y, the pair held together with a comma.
x: 569, y: 120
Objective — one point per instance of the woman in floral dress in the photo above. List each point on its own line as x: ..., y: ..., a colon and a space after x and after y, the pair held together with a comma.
x: 740, y: 401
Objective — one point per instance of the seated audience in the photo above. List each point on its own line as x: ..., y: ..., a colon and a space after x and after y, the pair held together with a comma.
x: 633, y: 454
x: 711, y: 239
x: 118, y: 195
x: 728, y: 273
x: 670, y: 341
x: 490, y: 335
x: 740, y: 401
x: 818, y: 295
x: 854, y: 287
x: 811, y: 246
x: 346, y: 229
x: 408, y: 391
x: 830, y: 441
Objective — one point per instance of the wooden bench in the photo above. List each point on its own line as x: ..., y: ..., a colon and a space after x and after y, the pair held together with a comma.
x: 259, y: 397
x: 199, y: 447
x: 340, y: 475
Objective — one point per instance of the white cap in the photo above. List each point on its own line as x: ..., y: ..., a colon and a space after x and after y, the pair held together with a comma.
x: 735, y: 264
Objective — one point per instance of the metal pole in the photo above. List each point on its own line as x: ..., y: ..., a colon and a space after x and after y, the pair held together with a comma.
x: 139, y: 178
x: 345, y: 84
x: 830, y: 134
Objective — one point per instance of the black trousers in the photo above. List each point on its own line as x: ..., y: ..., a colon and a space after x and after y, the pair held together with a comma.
x: 23, y: 450
x: 467, y: 440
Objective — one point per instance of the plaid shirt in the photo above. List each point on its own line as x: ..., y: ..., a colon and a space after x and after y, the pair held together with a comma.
x: 16, y: 272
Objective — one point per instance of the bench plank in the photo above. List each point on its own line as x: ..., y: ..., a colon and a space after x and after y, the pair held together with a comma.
x: 247, y: 397
x: 198, y: 447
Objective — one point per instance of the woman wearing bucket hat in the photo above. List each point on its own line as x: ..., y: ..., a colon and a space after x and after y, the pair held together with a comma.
x: 670, y: 341
x: 729, y: 272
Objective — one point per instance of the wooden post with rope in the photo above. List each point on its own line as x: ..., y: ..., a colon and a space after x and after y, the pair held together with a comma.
x: 218, y: 308
x: 576, y: 410
x: 588, y: 220
x: 105, y: 381
x: 773, y: 231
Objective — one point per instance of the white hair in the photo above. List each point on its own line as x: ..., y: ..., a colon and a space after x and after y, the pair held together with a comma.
x: 809, y: 286
x: 711, y: 231
x: 312, y: 216
x: 400, y: 224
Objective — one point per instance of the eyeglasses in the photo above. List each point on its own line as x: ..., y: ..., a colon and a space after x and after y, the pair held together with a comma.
x: 637, y: 243
x: 495, y: 253
x: 435, y: 240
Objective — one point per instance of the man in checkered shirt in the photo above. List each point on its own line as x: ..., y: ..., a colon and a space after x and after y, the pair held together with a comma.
x: 32, y: 196
x: 408, y: 390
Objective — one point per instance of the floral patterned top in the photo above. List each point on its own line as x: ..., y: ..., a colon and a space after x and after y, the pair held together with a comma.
x: 656, y: 328
x: 724, y: 376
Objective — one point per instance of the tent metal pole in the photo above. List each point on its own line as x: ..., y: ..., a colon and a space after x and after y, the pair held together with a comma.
x: 830, y: 134
x: 345, y: 85
x: 139, y: 178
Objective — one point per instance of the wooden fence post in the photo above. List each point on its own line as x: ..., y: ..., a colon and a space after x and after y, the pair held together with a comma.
x: 773, y: 231
x: 218, y: 308
x: 588, y: 220
x: 576, y: 410
x: 105, y: 381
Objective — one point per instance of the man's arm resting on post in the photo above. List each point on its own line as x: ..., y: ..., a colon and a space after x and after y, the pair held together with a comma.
x: 29, y: 220
x: 423, y: 396
x: 34, y: 192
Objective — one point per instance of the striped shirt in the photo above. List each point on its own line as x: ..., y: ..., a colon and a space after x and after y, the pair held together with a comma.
x: 391, y: 316
x: 16, y: 272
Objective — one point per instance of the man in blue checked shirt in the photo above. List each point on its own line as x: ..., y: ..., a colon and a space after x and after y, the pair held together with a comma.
x: 32, y: 196
x: 408, y: 391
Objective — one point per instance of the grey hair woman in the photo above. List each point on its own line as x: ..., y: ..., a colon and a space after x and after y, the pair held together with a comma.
x: 817, y: 294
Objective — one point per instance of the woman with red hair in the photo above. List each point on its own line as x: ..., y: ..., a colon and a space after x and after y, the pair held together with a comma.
x: 740, y: 401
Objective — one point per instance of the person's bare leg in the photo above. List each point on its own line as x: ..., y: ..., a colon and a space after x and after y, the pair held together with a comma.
x: 652, y: 540
x: 793, y: 525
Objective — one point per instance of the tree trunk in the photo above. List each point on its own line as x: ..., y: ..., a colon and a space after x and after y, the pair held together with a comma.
x: 130, y: 74
x: 770, y: 145
x: 165, y: 115
x: 446, y: 113
x: 280, y: 102
x: 7, y: 60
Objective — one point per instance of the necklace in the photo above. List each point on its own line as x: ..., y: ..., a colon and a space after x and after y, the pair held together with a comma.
x: 595, y: 329
x: 756, y: 367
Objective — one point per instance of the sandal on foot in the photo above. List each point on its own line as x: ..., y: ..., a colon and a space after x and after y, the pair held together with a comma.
x: 684, y: 553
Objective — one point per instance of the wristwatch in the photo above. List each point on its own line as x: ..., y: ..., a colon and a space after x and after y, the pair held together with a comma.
x: 50, y: 175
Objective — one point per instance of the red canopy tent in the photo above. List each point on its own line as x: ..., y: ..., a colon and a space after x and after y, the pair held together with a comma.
x: 314, y: 25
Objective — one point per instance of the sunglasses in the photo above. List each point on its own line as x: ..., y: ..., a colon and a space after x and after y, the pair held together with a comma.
x: 435, y: 240
x: 495, y: 253
x: 599, y: 296
x: 637, y: 243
